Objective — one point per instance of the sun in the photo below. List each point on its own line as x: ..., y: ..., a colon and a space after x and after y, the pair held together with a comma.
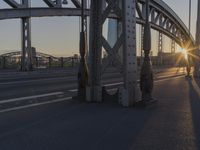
x: 184, y: 52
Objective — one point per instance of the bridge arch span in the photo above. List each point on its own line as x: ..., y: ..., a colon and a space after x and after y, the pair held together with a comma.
x: 162, y: 18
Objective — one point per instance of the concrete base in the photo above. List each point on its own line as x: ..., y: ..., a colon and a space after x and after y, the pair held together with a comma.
x: 129, y: 98
x: 94, y: 94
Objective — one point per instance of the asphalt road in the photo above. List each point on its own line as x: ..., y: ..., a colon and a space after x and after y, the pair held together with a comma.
x: 171, y: 124
x: 19, y: 84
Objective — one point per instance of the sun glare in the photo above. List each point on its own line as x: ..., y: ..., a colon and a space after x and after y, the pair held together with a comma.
x: 184, y: 52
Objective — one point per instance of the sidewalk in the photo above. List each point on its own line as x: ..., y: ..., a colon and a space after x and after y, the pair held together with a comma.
x: 171, y: 124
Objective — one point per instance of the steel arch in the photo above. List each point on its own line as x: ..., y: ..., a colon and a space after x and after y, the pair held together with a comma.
x: 162, y: 18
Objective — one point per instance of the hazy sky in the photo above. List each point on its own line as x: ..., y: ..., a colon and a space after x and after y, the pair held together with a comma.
x: 60, y: 35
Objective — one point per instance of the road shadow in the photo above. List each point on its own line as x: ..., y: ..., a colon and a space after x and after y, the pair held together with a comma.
x: 74, y: 125
x: 194, y: 93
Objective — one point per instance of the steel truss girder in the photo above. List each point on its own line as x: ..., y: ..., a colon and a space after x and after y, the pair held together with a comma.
x: 126, y: 40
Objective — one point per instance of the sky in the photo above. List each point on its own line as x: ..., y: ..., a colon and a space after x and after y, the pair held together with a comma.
x: 59, y: 36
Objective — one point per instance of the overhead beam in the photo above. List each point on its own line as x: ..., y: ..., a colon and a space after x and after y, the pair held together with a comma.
x: 55, y: 3
x: 76, y: 3
x: 54, y: 11
x: 14, y: 4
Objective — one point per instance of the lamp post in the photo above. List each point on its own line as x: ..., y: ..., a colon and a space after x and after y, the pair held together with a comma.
x: 146, y: 75
x: 83, y: 69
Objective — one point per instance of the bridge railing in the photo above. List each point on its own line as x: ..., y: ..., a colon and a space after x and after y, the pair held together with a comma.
x: 9, y: 62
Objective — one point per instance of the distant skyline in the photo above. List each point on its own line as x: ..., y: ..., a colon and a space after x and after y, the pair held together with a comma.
x: 59, y: 36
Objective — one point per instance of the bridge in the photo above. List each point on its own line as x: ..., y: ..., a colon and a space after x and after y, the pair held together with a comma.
x: 122, y: 77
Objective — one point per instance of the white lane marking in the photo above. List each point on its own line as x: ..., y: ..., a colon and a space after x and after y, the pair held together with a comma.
x: 36, y: 104
x: 161, y: 80
x: 29, y: 97
x: 169, y: 75
x: 58, y: 100
x: 73, y: 90
x: 32, y: 80
x: 111, y: 84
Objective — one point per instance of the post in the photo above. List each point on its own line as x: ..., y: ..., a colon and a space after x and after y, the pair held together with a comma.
x: 146, y: 75
x: 61, y: 62
x: 36, y: 62
x: 4, y: 62
x: 50, y: 60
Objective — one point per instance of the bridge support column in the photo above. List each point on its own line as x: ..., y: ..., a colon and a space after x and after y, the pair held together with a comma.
x: 126, y: 39
x: 146, y: 76
x: 160, y: 48
x: 197, y: 51
x: 142, y: 45
x: 173, y: 47
x: 129, y: 91
x: 83, y: 49
x: 26, y: 60
x: 173, y: 50
x: 94, y: 91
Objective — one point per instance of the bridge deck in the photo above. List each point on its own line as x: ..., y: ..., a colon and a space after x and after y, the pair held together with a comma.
x: 172, y: 124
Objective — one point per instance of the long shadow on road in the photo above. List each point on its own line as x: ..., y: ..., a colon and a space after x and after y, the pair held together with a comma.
x: 194, y: 91
x: 86, y: 126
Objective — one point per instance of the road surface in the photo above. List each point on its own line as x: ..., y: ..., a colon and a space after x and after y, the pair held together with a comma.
x: 171, y: 124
